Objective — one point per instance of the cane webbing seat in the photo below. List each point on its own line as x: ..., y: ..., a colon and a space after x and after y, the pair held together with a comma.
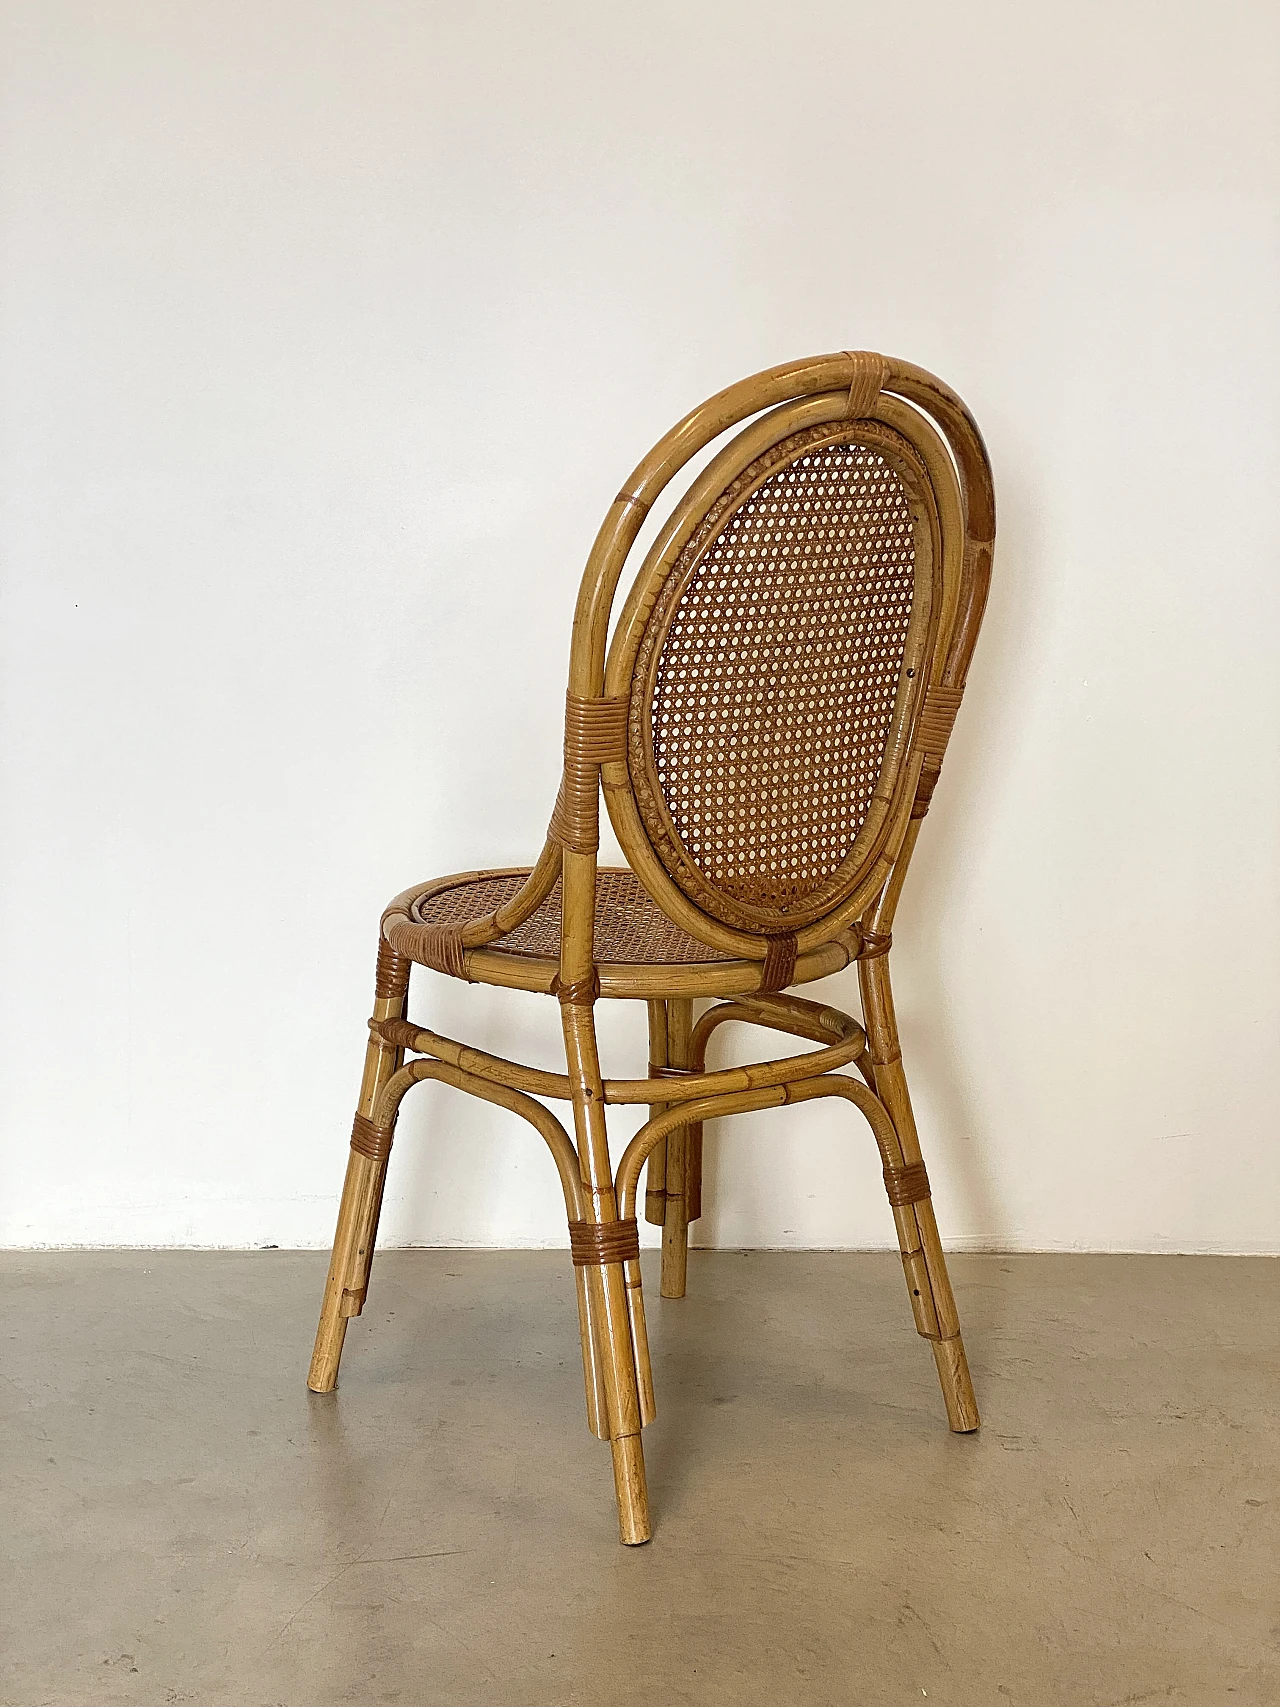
x: 765, y: 717
x: 630, y: 927
x: 639, y: 951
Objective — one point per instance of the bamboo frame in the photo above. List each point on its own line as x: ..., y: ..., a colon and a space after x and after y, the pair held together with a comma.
x: 921, y: 428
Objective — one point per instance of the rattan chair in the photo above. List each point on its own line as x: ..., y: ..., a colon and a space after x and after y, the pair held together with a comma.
x: 767, y: 720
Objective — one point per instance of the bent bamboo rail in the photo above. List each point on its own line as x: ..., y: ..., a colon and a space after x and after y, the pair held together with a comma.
x: 497, y: 1070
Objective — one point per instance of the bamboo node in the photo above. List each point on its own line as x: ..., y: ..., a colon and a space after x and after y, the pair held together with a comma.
x: 593, y: 1244
x: 909, y: 1184
x: 370, y: 1140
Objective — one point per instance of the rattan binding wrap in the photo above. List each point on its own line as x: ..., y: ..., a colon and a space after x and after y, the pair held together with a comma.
x: 779, y: 963
x: 905, y: 1185
x: 870, y: 373
x: 370, y: 1140
x: 581, y: 993
x: 440, y: 947
x: 391, y: 979
x: 595, y: 1243
x: 937, y: 719
x: 595, y: 732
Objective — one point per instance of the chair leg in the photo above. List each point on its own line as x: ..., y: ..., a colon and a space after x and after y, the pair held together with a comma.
x: 655, y: 1187
x: 675, y: 1224
x: 693, y: 1173
x: 932, y: 1301
x: 609, y: 1308
x: 623, y: 1402
x: 348, y: 1279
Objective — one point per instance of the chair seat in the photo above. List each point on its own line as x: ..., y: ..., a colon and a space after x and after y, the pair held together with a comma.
x: 639, y: 950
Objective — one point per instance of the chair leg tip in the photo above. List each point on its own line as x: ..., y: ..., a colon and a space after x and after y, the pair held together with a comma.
x: 322, y: 1377
x: 634, y: 1528
x: 957, y: 1387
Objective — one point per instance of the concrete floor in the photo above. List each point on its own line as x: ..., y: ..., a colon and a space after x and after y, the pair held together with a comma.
x: 185, y: 1523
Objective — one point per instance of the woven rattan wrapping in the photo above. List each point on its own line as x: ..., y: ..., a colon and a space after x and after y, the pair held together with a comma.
x: 595, y: 1243
x: 370, y: 1140
x: 595, y: 731
x: 766, y: 685
x: 779, y: 963
x: 441, y: 949
x: 392, y: 979
x: 906, y: 1185
x: 937, y: 719
x: 629, y: 926
x: 870, y: 374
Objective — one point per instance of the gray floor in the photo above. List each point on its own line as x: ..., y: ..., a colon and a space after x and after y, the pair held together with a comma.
x: 187, y: 1524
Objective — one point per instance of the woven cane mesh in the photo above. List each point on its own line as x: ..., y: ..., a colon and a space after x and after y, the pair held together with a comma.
x: 630, y: 927
x: 779, y: 642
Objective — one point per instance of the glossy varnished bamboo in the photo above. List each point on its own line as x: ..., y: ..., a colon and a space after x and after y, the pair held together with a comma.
x: 955, y: 524
x: 923, y: 1260
x: 675, y: 1220
x: 655, y: 1197
x: 348, y: 1277
x: 611, y: 1301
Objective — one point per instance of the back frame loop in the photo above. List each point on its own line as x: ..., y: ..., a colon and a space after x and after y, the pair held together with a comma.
x: 837, y: 633
x: 825, y: 391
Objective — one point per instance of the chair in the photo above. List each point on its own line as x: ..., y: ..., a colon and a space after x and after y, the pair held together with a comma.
x: 767, y: 722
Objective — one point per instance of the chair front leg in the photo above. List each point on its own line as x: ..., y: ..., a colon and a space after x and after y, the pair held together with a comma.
x: 609, y: 1251
x: 932, y: 1301
x: 348, y: 1279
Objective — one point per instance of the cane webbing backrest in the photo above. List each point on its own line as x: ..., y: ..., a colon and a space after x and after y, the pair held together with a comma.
x: 771, y: 707
x: 770, y: 671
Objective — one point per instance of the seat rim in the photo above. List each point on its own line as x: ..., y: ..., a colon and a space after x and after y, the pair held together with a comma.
x: 619, y: 980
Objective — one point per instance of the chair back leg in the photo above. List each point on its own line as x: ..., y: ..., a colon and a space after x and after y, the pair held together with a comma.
x: 676, y: 1216
x: 655, y: 1179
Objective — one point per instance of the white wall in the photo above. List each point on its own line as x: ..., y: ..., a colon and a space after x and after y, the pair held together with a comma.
x: 328, y: 333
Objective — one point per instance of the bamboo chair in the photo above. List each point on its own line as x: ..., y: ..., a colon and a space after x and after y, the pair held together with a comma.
x: 767, y: 721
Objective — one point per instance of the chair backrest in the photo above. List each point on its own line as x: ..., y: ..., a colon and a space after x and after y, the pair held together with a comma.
x: 783, y: 675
